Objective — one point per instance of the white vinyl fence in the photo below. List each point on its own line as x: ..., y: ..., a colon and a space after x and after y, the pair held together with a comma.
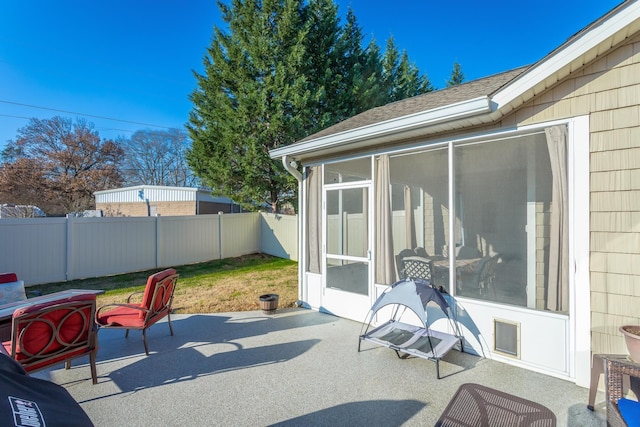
x: 45, y: 250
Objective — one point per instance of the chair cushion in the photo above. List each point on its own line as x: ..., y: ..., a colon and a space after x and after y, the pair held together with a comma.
x: 39, y: 337
x: 49, y: 362
x: 122, y: 316
x: 12, y: 292
x: 420, y: 251
x: 151, y: 287
x: 630, y: 411
x: 467, y: 252
x: 39, y: 306
x: 8, y: 277
x: 7, y: 347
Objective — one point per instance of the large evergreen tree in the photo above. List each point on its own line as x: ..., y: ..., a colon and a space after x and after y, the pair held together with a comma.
x: 457, y: 76
x: 282, y: 69
x: 400, y: 77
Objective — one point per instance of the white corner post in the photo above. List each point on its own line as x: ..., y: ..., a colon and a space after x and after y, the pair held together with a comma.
x: 290, y: 166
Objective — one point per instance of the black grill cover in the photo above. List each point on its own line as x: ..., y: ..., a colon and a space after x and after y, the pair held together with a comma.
x: 27, y: 401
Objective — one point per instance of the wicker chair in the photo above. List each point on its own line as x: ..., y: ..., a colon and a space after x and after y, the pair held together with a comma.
x: 483, y: 277
x: 399, y: 265
x: 615, y: 368
x: 415, y: 267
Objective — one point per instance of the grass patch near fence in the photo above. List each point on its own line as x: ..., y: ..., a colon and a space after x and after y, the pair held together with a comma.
x: 232, y: 284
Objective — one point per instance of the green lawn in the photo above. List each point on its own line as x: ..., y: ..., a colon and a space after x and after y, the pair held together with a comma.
x: 232, y: 284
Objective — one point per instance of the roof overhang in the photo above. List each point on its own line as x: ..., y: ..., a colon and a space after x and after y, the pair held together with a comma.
x: 579, y: 50
x: 386, y: 131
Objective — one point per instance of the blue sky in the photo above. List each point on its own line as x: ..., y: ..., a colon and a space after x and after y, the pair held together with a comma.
x: 127, y: 65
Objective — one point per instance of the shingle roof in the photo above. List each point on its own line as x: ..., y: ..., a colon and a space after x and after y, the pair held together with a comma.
x: 425, y: 102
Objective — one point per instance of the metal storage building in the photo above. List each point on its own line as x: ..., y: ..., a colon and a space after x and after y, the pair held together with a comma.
x: 152, y: 200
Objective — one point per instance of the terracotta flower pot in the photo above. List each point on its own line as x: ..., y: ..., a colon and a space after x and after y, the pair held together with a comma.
x: 631, y: 335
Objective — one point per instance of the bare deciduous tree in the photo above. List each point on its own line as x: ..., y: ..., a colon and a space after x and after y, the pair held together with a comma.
x: 57, y: 164
x: 157, y: 158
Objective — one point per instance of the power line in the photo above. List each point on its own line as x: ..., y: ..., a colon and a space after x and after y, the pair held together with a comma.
x: 173, y: 169
x: 116, y: 130
x: 85, y: 115
x: 99, y: 129
x: 16, y: 117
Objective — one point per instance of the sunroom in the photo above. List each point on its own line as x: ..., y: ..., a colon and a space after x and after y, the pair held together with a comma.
x: 500, y: 213
x: 504, y: 198
x: 489, y: 181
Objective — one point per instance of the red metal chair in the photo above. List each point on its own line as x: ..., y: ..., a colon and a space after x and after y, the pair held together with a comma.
x: 52, y: 332
x: 156, y: 304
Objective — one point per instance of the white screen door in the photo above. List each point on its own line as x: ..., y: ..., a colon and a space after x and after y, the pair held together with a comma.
x: 347, y: 247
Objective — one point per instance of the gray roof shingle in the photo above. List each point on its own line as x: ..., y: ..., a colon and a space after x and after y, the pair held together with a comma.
x: 425, y: 102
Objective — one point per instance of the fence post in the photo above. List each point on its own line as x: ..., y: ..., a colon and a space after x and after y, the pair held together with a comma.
x: 220, y: 233
x: 158, y: 238
x: 69, y: 249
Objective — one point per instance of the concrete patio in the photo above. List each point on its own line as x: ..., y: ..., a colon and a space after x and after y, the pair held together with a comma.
x: 296, y: 367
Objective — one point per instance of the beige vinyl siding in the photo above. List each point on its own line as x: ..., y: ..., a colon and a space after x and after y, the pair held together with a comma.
x: 608, y: 91
x: 542, y: 240
x: 429, y: 224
